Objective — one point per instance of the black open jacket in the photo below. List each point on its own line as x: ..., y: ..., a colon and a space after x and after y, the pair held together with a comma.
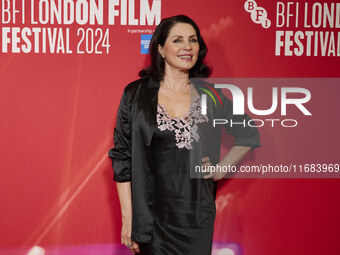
x: 131, y: 156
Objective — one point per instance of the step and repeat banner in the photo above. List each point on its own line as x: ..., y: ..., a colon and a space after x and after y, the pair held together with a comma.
x: 63, y: 67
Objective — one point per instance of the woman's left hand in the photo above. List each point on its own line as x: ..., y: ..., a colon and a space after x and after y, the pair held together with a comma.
x: 216, y: 176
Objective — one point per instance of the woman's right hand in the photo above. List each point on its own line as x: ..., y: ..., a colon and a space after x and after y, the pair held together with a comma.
x: 126, y: 235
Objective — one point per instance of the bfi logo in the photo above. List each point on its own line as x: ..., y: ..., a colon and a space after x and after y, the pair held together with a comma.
x: 257, y: 14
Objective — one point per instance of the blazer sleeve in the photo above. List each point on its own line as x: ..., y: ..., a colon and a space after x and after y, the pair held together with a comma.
x: 244, y: 134
x: 121, y: 153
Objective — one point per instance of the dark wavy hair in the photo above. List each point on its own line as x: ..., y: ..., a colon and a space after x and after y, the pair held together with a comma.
x: 156, y: 69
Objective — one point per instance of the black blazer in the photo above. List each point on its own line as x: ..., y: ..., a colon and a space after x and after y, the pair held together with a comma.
x: 131, y: 156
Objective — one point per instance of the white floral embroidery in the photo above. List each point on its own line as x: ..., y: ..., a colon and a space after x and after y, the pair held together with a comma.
x: 185, y: 127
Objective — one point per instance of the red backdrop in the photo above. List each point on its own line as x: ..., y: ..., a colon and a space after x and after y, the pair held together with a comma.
x: 57, y: 117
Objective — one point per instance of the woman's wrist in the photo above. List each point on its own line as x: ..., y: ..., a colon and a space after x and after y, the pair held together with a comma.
x: 126, y: 216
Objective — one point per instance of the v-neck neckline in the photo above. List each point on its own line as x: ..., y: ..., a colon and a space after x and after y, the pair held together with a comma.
x: 185, y: 116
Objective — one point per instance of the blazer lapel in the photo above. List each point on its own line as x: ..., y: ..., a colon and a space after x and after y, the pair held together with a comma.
x: 153, y: 87
x: 151, y: 107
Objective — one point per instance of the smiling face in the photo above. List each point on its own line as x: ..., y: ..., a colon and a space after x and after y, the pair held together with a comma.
x: 180, y: 50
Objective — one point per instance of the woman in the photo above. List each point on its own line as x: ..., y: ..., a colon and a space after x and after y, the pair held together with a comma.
x: 164, y: 211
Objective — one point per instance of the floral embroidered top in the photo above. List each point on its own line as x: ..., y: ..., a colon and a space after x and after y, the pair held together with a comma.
x: 185, y: 128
